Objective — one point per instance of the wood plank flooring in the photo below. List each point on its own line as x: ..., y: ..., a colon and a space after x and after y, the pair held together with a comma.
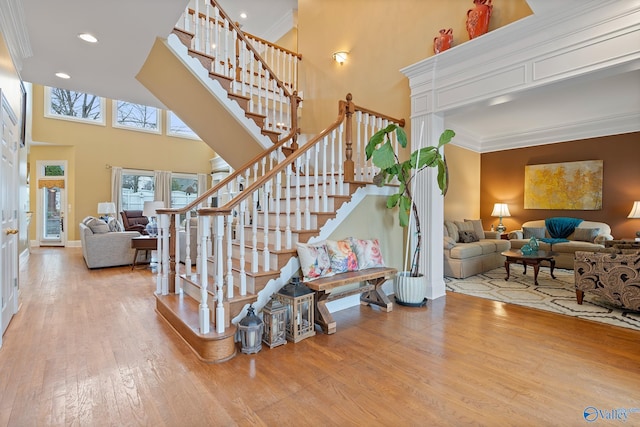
x: 88, y: 349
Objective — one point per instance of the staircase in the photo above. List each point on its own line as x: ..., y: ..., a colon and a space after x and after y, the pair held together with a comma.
x: 284, y: 195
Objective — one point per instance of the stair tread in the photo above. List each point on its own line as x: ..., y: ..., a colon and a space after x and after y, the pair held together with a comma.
x: 260, y: 247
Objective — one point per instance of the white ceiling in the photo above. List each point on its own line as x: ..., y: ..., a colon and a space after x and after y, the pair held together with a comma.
x: 126, y: 30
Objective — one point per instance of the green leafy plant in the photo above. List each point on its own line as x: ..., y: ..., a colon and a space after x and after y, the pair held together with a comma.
x: 380, y: 150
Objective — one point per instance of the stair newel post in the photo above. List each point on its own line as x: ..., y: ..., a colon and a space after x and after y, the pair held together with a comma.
x: 203, y: 312
x: 276, y: 205
x: 349, y: 174
x: 265, y: 215
x: 243, y: 274
x: 187, y: 242
x: 298, y: 163
x: 174, y: 253
x: 293, y: 110
x: 219, y: 256
x: 163, y: 255
x: 230, y: 255
x: 254, y: 232
x: 287, y: 195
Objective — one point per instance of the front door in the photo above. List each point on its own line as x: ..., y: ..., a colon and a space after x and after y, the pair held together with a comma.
x: 8, y: 215
x: 51, y: 203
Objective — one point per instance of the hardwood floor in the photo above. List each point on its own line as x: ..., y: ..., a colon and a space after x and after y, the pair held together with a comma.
x: 88, y: 349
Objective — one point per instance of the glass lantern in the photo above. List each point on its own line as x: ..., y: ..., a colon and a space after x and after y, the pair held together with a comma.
x: 250, y: 329
x: 274, y: 316
x: 298, y: 302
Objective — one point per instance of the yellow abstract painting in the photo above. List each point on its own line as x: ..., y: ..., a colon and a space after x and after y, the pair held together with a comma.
x: 569, y: 185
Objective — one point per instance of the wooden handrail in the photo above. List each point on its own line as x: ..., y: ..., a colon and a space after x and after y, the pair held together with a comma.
x: 256, y: 55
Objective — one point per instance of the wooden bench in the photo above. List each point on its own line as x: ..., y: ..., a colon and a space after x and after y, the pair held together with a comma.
x: 370, y: 292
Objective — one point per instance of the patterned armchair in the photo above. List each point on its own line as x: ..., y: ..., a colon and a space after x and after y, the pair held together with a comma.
x: 612, y: 276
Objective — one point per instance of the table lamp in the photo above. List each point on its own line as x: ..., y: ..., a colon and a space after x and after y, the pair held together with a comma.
x: 106, y: 209
x: 635, y: 213
x: 149, y: 210
x: 500, y: 210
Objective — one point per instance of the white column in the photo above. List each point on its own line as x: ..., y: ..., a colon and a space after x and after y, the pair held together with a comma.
x: 430, y: 204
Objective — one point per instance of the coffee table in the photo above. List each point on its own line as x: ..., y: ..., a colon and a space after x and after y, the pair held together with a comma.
x: 534, y: 259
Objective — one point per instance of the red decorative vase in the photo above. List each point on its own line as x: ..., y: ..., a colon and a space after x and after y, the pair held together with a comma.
x: 478, y: 18
x: 443, y: 41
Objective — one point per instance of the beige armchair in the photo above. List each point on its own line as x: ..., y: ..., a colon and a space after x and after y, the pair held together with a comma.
x: 614, y: 277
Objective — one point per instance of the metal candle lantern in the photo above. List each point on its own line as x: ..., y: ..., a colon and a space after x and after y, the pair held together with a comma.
x: 298, y: 302
x: 250, y: 332
x: 274, y: 316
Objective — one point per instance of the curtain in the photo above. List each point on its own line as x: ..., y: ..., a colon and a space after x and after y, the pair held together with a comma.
x: 203, y: 180
x: 116, y: 188
x: 51, y: 183
x: 162, y: 186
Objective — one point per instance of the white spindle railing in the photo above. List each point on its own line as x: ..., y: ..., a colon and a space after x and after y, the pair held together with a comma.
x: 261, y: 70
x: 250, y: 208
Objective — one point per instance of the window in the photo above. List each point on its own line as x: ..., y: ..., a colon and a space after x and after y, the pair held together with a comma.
x: 71, y: 105
x: 176, y: 127
x: 136, y: 117
x: 184, y: 189
x: 137, y: 188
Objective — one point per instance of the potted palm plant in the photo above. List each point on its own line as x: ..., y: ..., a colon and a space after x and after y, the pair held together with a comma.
x: 409, y: 286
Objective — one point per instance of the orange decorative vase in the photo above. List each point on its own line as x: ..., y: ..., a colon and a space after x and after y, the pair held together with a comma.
x: 478, y: 18
x: 443, y: 41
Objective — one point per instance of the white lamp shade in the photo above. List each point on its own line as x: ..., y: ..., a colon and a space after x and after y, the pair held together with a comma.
x: 501, y: 210
x: 635, y: 210
x: 106, y: 208
x: 149, y: 208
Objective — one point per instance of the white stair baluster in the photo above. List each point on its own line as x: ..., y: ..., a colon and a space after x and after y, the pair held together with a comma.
x: 316, y: 180
x: 278, y: 196
x: 340, y: 150
x: 203, y: 312
x: 325, y: 197
x: 187, y: 243
x: 287, y: 195
x: 265, y: 210
x: 297, y: 177
x: 177, y: 284
x: 243, y: 273
x: 230, y: 256
x: 307, y: 210
x: 254, y: 232
x: 219, y: 235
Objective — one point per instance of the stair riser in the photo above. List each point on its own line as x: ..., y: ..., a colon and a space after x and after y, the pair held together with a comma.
x: 254, y: 284
x: 293, y: 203
x: 293, y: 224
x: 272, y: 238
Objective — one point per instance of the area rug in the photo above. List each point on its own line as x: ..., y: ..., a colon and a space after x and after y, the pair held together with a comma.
x: 557, y: 295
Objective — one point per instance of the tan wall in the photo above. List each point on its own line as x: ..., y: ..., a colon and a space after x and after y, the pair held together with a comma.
x: 90, y: 148
x: 502, y: 180
x: 463, y: 197
x: 383, y: 225
x: 381, y: 38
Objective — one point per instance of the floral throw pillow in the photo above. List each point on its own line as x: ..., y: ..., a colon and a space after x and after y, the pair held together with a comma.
x: 342, y: 256
x: 314, y: 260
x: 367, y: 252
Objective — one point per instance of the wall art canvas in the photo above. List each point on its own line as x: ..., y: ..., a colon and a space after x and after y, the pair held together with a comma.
x: 569, y: 185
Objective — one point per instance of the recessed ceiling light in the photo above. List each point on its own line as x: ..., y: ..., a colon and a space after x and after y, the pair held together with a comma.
x: 89, y: 38
x: 63, y: 75
x: 243, y: 15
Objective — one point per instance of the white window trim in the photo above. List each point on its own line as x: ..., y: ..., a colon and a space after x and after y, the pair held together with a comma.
x: 115, y: 124
x: 177, y: 134
x: 50, y: 115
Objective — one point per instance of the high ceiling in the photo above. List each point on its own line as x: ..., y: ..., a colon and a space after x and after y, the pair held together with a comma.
x: 108, y: 68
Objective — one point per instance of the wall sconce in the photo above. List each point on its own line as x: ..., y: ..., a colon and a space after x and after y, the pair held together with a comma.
x: 340, y: 57
x: 500, y: 210
x: 635, y: 213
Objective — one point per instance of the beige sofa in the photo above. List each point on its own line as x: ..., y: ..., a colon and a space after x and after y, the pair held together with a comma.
x: 464, y: 257
x: 588, y: 236
x: 106, y: 248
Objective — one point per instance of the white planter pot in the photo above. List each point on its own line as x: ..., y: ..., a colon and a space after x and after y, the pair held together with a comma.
x: 410, y: 291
